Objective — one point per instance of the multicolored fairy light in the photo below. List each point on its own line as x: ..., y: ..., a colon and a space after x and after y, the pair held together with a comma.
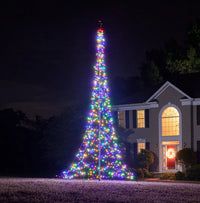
x: 99, y: 156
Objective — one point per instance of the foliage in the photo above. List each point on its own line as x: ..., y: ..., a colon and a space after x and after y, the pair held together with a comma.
x: 40, y: 147
x: 145, y: 158
x: 186, y: 157
x: 174, y: 58
x: 180, y: 175
x: 60, y: 140
x: 138, y: 174
x: 150, y: 72
x: 147, y: 174
x: 167, y: 176
x: 141, y: 173
x: 193, y: 34
x: 193, y: 173
x: 123, y: 135
x: 187, y: 63
x: 15, y: 141
x: 169, y: 63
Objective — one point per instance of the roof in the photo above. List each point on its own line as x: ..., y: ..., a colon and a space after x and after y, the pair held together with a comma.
x: 139, y: 96
x: 163, y: 88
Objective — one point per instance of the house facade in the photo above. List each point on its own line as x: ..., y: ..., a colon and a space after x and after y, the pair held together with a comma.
x: 168, y: 121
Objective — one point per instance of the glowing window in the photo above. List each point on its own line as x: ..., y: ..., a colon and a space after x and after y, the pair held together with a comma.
x: 170, y: 122
x: 121, y: 119
x: 140, y: 119
x: 141, y: 145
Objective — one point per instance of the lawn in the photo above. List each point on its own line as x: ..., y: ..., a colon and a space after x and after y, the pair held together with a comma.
x: 58, y: 190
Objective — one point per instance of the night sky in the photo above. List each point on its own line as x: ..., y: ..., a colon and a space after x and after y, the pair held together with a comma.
x: 48, y: 47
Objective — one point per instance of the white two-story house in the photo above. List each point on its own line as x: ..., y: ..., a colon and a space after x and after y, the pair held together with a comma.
x: 165, y: 122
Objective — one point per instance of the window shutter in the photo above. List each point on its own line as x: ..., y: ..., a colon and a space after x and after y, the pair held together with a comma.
x: 198, y: 115
x: 198, y: 152
x: 147, y: 145
x: 135, y: 150
x: 115, y: 115
x: 127, y: 118
x: 198, y: 146
x: 146, y: 118
x: 134, y: 119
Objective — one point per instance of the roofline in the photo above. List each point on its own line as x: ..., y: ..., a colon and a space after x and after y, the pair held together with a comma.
x: 163, y: 88
x: 194, y: 102
x: 135, y: 106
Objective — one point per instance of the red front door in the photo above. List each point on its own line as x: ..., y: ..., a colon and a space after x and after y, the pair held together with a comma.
x: 170, y: 157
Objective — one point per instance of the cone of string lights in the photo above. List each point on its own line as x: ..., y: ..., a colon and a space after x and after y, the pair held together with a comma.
x: 99, y: 156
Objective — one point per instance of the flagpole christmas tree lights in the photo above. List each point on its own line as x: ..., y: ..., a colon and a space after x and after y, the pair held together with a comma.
x: 99, y: 156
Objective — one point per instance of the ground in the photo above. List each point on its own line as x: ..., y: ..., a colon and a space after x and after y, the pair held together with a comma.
x: 58, y: 190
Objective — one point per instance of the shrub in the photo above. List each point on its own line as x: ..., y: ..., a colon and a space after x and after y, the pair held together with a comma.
x: 193, y: 173
x: 147, y: 174
x: 186, y: 157
x: 167, y: 176
x: 138, y: 173
x: 145, y: 158
x: 180, y: 175
x: 164, y: 176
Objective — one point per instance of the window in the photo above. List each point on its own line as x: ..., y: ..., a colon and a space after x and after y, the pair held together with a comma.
x: 170, y: 122
x: 121, y: 119
x: 140, y: 119
x: 140, y: 145
x: 170, y: 143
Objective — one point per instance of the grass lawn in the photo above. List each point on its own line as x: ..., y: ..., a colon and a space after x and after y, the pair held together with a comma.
x: 58, y: 190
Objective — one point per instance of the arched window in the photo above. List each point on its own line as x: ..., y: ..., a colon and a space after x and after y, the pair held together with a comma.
x: 170, y: 122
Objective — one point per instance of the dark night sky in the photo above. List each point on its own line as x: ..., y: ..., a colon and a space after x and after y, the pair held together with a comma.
x: 48, y: 47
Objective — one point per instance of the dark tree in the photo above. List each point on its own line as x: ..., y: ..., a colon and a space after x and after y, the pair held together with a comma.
x: 15, y: 140
x: 60, y: 139
x: 40, y: 147
x: 174, y: 58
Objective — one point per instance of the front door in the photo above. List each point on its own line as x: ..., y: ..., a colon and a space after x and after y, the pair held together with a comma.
x: 170, y: 157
